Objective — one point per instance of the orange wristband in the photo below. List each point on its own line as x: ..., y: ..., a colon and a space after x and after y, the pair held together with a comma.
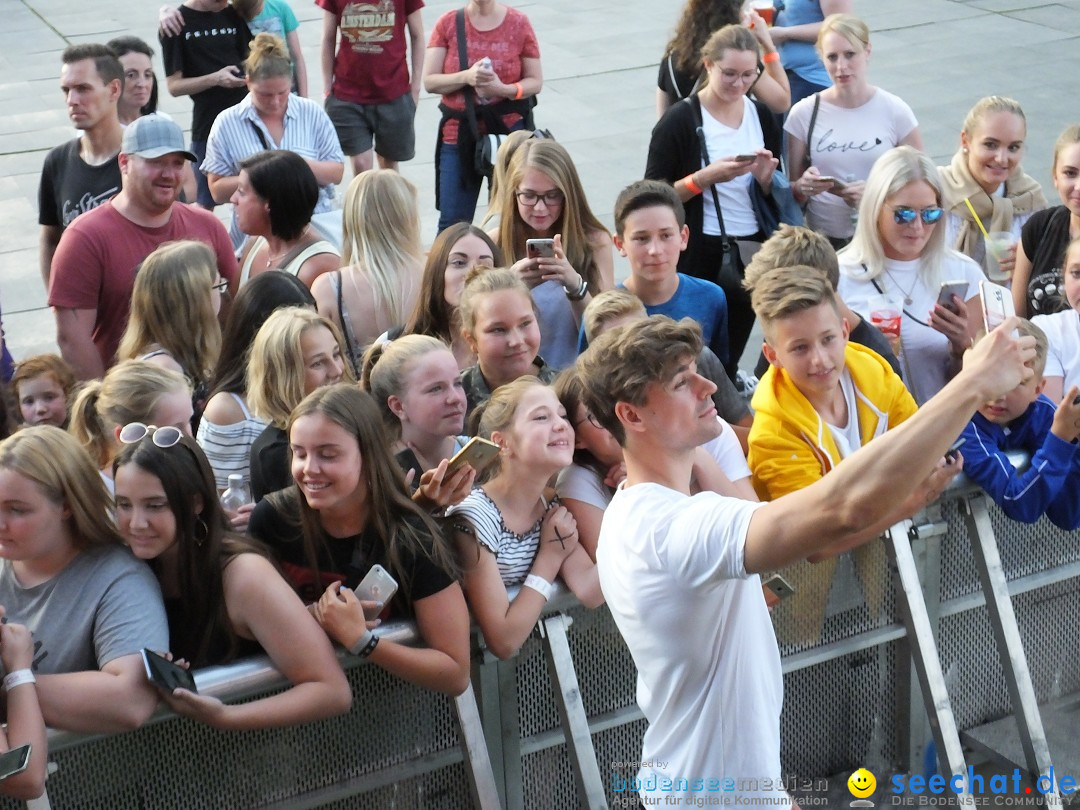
x: 690, y: 184
x: 518, y: 94
x: 770, y: 57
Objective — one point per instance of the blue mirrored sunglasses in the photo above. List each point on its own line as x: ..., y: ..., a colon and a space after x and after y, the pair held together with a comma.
x: 905, y: 215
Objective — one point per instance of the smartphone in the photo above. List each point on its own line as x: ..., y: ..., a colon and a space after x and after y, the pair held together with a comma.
x: 952, y: 452
x: 164, y: 673
x: 744, y: 158
x: 948, y: 290
x: 997, y: 304
x: 540, y: 248
x: 779, y: 587
x: 14, y: 761
x: 477, y: 453
x: 376, y: 586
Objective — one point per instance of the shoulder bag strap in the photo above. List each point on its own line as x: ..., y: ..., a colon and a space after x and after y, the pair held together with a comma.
x: 810, y: 132
x: 463, y: 62
x: 261, y: 136
x: 694, y: 103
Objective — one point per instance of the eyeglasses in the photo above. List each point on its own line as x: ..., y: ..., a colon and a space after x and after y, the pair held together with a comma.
x: 531, y: 198
x: 221, y: 286
x: 135, y: 432
x: 906, y: 215
x: 732, y: 76
x: 590, y: 419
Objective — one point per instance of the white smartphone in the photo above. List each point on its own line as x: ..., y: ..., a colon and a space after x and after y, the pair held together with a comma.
x: 779, y: 587
x: 540, y: 248
x: 948, y: 290
x: 478, y: 453
x: 376, y: 586
x: 997, y: 304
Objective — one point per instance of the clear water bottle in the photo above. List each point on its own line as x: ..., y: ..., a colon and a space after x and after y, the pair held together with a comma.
x: 236, y: 495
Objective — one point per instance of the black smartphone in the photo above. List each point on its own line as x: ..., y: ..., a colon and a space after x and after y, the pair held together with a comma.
x: 164, y: 673
x: 14, y: 761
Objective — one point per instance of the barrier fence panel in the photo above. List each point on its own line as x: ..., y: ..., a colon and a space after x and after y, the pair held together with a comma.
x: 851, y: 698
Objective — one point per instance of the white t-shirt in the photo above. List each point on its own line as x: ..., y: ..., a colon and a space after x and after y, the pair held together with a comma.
x: 1063, y: 333
x: 723, y: 141
x: 728, y: 453
x: 709, y: 682
x: 846, y: 143
x: 924, y: 351
x: 580, y: 483
x: 848, y: 438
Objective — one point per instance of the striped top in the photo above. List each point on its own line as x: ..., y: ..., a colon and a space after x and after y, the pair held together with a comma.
x: 228, y: 447
x: 239, y: 133
x: 514, y: 553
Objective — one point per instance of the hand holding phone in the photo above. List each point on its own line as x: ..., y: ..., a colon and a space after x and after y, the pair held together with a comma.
x: 778, y: 587
x: 745, y: 158
x: 165, y: 674
x: 997, y: 304
x: 15, y: 761
x: 946, y: 293
x: 478, y: 453
x: 540, y: 248
x: 376, y: 586
x: 954, y: 450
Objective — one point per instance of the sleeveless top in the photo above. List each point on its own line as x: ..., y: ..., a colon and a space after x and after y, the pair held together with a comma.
x: 294, y: 263
x: 228, y: 447
x: 352, y: 345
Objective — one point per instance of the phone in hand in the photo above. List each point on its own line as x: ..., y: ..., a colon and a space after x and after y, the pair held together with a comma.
x: 947, y: 291
x: 997, y: 304
x: 376, y: 586
x: 14, y: 761
x: 744, y: 158
x: 954, y: 450
x: 478, y: 453
x: 164, y: 673
x: 540, y: 248
x: 779, y: 587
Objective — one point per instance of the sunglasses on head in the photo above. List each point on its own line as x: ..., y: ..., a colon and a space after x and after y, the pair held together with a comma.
x: 135, y: 432
x: 905, y: 215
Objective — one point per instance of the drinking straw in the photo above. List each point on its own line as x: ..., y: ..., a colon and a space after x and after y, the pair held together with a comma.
x: 971, y: 208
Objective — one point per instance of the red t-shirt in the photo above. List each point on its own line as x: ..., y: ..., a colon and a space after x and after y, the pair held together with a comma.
x: 506, y: 45
x: 370, y: 66
x: 95, y: 263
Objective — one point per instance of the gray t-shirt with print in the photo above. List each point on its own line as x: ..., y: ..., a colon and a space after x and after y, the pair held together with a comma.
x: 104, y: 605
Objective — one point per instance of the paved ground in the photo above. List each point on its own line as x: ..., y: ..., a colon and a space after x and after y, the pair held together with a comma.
x: 599, y: 60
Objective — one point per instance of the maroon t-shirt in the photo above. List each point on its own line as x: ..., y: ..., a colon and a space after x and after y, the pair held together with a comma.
x: 95, y: 263
x: 370, y: 66
x: 506, y: 45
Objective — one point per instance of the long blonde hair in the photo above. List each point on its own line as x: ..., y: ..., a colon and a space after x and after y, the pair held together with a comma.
x: 382, y: 237
x: 172, y: 307
x: 275, y: 378
x: 129, y: 392
x: 576, y: 221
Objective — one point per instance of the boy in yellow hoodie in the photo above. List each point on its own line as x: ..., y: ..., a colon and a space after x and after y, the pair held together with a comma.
x: 821, y: 399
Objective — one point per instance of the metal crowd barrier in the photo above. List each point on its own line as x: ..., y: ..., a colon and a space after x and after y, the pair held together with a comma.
x: 947, y: 631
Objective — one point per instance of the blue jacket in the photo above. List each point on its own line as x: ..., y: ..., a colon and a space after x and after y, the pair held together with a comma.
x: 1050, y: 484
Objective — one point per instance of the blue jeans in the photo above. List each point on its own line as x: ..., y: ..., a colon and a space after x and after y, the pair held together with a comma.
x: 458, y: 191
x: 204, y: 198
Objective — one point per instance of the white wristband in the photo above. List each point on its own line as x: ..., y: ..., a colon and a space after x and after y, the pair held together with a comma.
x: 540, y: 585
x: 18, y: 678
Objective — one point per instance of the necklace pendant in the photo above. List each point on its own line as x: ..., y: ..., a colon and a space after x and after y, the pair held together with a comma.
x: 908, y: 302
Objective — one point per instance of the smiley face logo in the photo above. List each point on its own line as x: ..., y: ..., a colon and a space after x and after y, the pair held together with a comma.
x: 861, y: 783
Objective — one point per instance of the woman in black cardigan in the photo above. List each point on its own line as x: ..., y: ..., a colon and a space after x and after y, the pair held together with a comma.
x: 739, y: 137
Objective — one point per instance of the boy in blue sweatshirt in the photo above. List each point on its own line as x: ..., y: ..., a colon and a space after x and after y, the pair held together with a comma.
x: 1024, y: 420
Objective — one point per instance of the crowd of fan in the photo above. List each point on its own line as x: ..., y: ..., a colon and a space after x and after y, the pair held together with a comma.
x: 337, y: 367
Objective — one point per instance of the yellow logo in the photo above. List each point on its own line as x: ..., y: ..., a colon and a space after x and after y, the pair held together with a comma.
x: 861, y: 783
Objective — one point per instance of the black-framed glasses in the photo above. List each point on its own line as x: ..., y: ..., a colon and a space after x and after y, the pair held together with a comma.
x: 592, y: 420
x: 221, y: 285
x: 531, y: 198
x: 905, y: 214
x: 135, y: 432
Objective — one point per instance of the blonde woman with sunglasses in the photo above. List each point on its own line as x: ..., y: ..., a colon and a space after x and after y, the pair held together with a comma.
x: 899, y: 252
